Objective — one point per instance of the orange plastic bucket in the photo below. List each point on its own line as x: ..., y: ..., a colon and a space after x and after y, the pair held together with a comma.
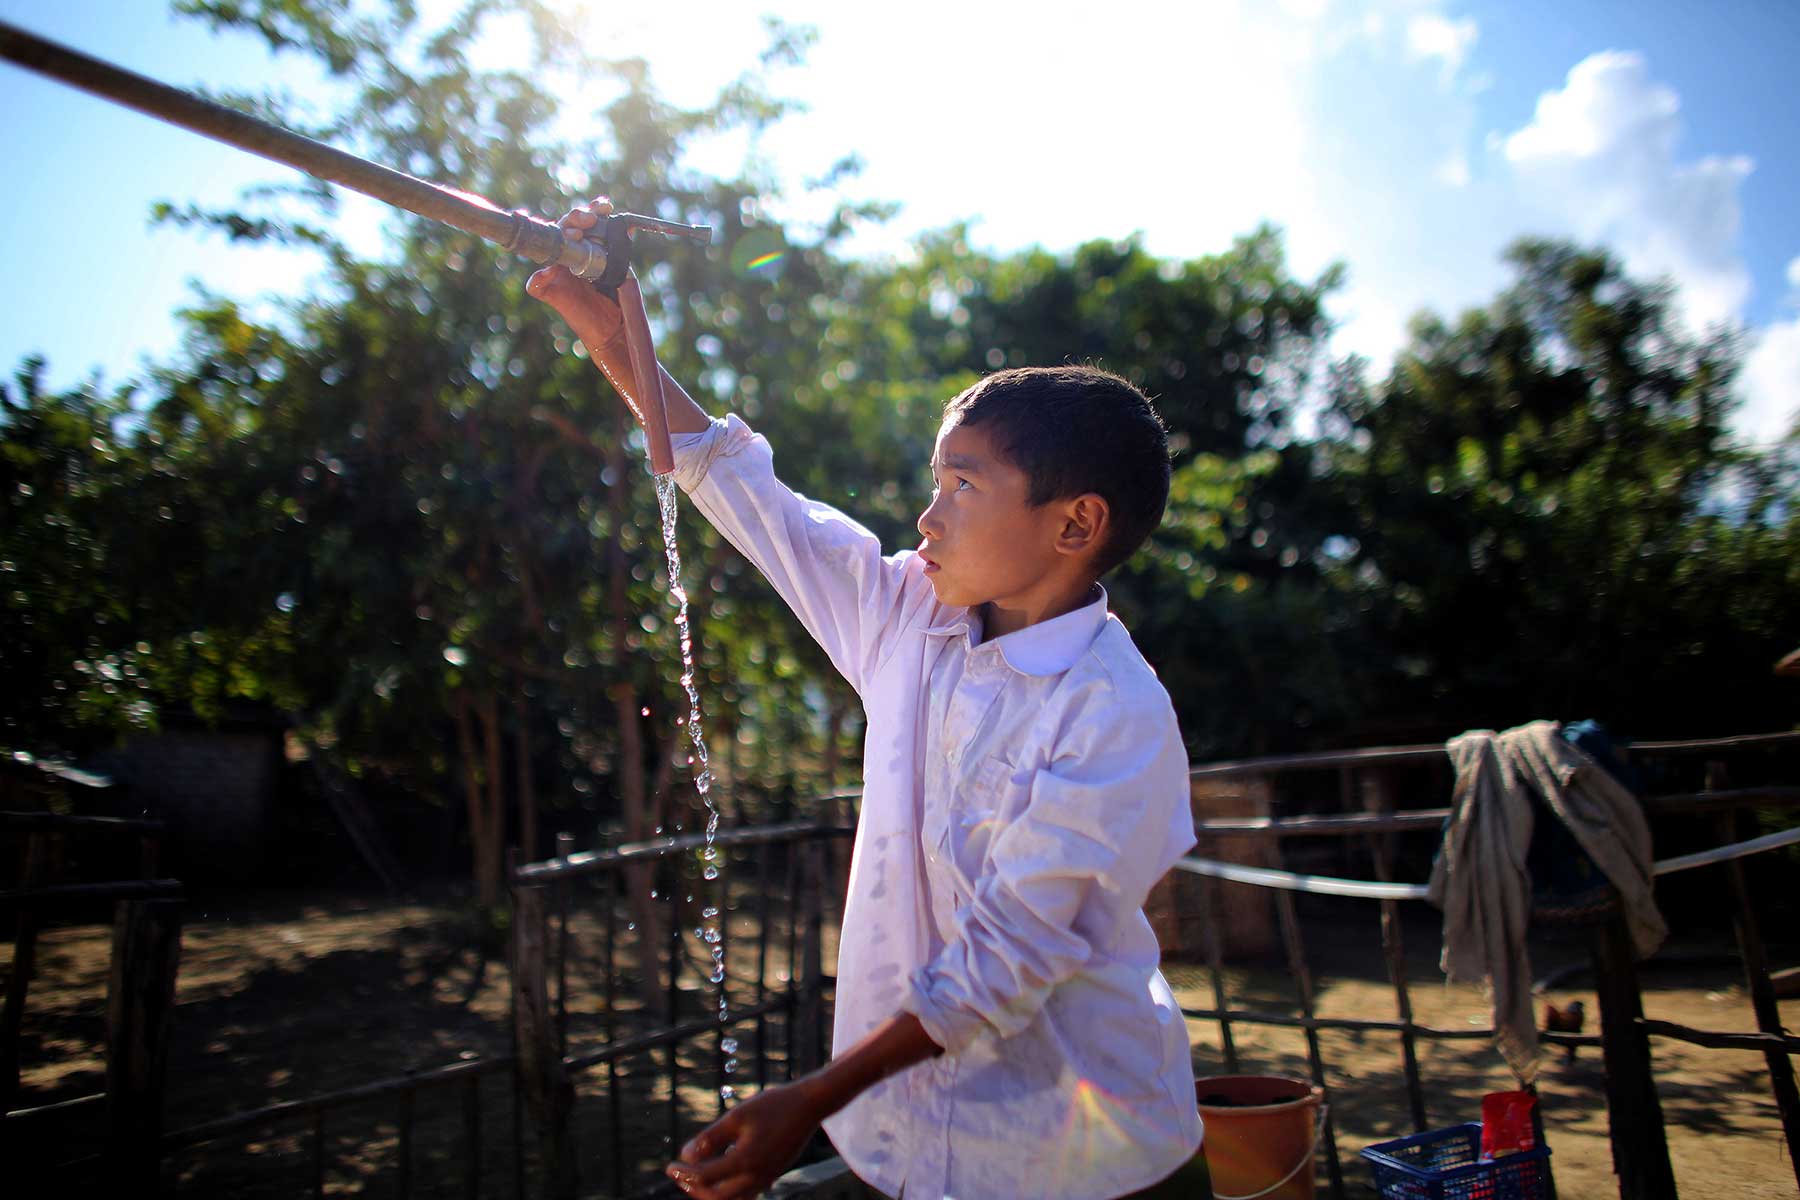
x: 1262, y: 1134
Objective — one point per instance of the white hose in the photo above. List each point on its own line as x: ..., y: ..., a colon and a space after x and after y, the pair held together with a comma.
x: 1329, y: 885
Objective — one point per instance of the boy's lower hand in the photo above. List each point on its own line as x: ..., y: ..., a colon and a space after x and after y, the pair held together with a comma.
x: 747, y: 1149
x: 594, y: 318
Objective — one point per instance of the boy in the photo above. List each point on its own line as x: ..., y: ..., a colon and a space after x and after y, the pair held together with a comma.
x: 1002, y: 1030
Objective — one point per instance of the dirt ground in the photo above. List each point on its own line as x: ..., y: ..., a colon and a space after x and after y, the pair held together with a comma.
x: 286, y: 997
x: 1724, y: 1130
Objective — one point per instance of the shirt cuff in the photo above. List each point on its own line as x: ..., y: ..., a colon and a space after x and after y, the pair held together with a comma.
x: 695, y: 452
x: 950, y: 1026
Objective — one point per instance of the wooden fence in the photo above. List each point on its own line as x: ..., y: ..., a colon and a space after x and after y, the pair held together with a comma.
x: 699, y: 1009
x: 603, y: 1078
x: 1640, y: 1151
x: 140, y: 991
x: 783, y: 1026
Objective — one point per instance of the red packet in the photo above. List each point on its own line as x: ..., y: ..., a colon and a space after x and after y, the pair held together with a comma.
x: 1506, y: 1125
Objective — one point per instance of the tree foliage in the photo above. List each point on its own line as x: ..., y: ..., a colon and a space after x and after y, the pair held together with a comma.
x: 408, y: 513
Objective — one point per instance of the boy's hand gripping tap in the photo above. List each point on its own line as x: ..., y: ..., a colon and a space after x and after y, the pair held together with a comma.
x: 608, y: 314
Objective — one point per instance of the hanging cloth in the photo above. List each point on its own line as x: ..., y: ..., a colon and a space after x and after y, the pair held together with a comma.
x: 1480, y: 879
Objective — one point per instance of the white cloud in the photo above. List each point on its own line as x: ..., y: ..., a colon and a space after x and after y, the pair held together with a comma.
x: 1599, y: 160
x: 1433, y: 35
x: 1395, y: 191
x: 1770, y: 381
x: 1770, y: 384
x: 1369, y: 151
x: 1073, y: 129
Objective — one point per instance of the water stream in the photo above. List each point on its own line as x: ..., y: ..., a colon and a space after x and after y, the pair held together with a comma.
x: 711, y: 918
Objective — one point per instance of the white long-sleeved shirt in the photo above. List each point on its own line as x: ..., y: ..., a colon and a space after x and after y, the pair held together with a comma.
x: 1020, y: 798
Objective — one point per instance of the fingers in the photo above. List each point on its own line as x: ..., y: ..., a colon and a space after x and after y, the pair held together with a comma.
x: 713, y: 1171
x: 713, y: 1140
x: 552, y: 286
x: 712, y: 1165
x: 577, y: 221
x: 738, y: 1187
x: 721, y: 1179
x: 592, y: 318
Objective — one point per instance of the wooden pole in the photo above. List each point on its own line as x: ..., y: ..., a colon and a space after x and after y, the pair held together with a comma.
x: 12, y: 1015
x: 1762, y: 995
x: 1634, y: 1113
x: 1376, y: 798
x: 1303, y: 983
x: 140, y: 1006
x: 1212, y: 939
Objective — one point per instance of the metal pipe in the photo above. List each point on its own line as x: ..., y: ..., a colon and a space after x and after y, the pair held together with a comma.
x: 519, y: 232
x: 540, y: 241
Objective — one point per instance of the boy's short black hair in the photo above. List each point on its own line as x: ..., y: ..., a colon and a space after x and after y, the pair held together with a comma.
x: 1077, y: 429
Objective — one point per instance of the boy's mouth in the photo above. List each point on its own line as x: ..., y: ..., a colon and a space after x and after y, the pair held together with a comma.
x: 931, y: 565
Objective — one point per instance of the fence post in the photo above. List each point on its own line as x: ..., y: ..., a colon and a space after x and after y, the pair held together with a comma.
x: 1762, y: 992
x: 1376, y: 793
x: 140, y: 1005
x: 1247, y: 925
x: 811, y: 1045
x: 12, y: 1015
x: 549, y: 1095
x: 1634, y: 1113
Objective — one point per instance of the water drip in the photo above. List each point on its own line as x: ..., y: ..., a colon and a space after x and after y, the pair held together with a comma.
x: 711, y: 931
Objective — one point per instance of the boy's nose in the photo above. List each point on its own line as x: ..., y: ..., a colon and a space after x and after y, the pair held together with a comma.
x: 928, y: 525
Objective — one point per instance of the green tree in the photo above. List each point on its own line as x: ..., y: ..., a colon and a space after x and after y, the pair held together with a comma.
x: 1547, y: 517
x: 408, y: 511
x: 70, y: 644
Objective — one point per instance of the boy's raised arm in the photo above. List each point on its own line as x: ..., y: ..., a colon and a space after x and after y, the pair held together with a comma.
x: 828, y: 569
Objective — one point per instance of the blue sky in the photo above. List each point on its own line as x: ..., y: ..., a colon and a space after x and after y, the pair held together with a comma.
x: 1410, y: 139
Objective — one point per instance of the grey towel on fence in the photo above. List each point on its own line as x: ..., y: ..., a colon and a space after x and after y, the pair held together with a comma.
x: 1480, y: 879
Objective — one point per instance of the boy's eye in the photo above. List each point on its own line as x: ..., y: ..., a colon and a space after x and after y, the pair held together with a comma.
x: 962, y: 483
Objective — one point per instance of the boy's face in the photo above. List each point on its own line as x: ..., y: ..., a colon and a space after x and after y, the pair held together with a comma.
x: 984, y: 543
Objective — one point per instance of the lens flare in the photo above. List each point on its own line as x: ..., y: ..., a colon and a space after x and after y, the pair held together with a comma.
x: 759, y: 254
x: 1093, y: 1126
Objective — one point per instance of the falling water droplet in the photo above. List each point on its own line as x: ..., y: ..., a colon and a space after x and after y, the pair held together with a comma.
x: 697, y: 761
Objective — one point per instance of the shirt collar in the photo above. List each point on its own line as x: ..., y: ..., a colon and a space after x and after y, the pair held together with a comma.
x: 1046, y: 648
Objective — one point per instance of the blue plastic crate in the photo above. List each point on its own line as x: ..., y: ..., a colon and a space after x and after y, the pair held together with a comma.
x: 1446, y: 1164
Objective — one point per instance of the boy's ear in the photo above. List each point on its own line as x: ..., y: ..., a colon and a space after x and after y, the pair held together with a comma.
x: 1086, y: 521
